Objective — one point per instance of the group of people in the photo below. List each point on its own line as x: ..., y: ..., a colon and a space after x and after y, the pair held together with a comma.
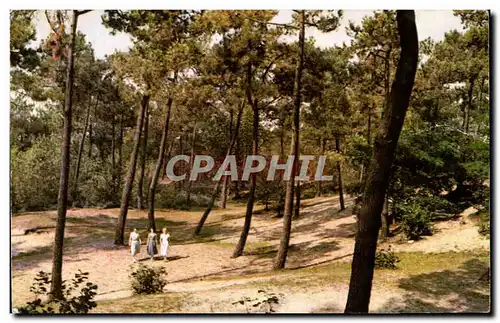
x: 151, y: 245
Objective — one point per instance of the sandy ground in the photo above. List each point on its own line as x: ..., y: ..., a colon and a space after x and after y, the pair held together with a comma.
x: 322, y: 234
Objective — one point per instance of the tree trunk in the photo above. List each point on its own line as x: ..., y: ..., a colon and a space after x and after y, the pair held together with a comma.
x: 90, y: 140
x: 281, y: 196
x: 62, y: 199
x: 322, y: 152
x: 113, y: 159
x: 296, y: 206
x: 120, y: 154
x: 237, y: 182
x: 156, y: 174
x: 378, y: 174
x: 129, y: 180
x: 80, y: 150
x: 339, y: 171
x: 238, y: 251
x: 143, y: 161
x: 294, y: 150
x: 181, y: 152
x: 191, y: 161
x: 225, y: 185
x: 217, y: 185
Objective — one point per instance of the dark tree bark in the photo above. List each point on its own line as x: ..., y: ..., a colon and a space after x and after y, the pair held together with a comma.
x: 378, y: 174
x: 296, y: 206
x: 225, y: 185
x: 280, y: 260
x: 181, y: 152
x: 80, y: 149
x: 159, y: 162
x: 62, y: 199
x: 339, y: 171
x: 191, y: 161
x: 217, y: 185
x: 238, y: 251
x: 319, y: 191
x: 90, y: 140
x: 120, y: 153
x: 144, y: 147
x: 237, y: 183
x: 113, y: 158
x: 281, y: 197
x: 129, y: 180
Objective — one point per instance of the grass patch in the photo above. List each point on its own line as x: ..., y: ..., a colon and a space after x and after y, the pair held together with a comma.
x: 160, y: 303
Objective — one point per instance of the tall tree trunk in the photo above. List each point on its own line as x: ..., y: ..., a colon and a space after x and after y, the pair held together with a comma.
x: 378, y: 174
x: 62, y: 199
x: 129, y: 180
x: 181, y: 152
x: 225, y: 184
x: 80, y: 149
x: 113, y: 158
x: 296, y: 206
x: 120, y: 154
x: 90, y: 140
x: 237, y: 183
x: 280, y: 260
x: 191, y: 161
x: 156, y: 174
x: 238, y: 251
x: 281, y: 197
x: 339, y: 171
x: 322, y: 152
x: 217, y: 185
x: 143, y: 161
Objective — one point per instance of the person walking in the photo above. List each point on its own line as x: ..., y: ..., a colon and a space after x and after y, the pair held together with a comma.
x: 164, y: 243
x: 134, y: 242
x: 152, y: 244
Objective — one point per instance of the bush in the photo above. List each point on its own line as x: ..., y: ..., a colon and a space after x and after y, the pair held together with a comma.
x: 35, y: 175
x: 484, y: 223
x: 386, y: 259
x: 416, y: 221
x: 148, y: 280
x: 170, y: 198
x: 76, y: 304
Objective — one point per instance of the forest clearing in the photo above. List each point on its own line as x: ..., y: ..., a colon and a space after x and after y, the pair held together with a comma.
x: 203, y: 278
x: 240, y: 161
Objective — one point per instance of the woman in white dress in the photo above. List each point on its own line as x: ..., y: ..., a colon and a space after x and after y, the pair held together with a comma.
x: 164, y: 243
x: 134, y: 241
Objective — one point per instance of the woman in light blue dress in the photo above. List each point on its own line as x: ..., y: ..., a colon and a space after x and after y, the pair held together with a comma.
x: 152, y: 243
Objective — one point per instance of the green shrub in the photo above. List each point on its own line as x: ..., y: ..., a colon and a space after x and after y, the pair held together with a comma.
x: 386, y: 259
x: 34, y: 175
x: 484, y: 223
x: 69, y: 303
x: 148, y: 280
x: 170, y: 198
x: 416, y: 221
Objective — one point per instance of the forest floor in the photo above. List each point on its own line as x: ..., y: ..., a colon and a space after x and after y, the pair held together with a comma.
x: 436, y: 274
